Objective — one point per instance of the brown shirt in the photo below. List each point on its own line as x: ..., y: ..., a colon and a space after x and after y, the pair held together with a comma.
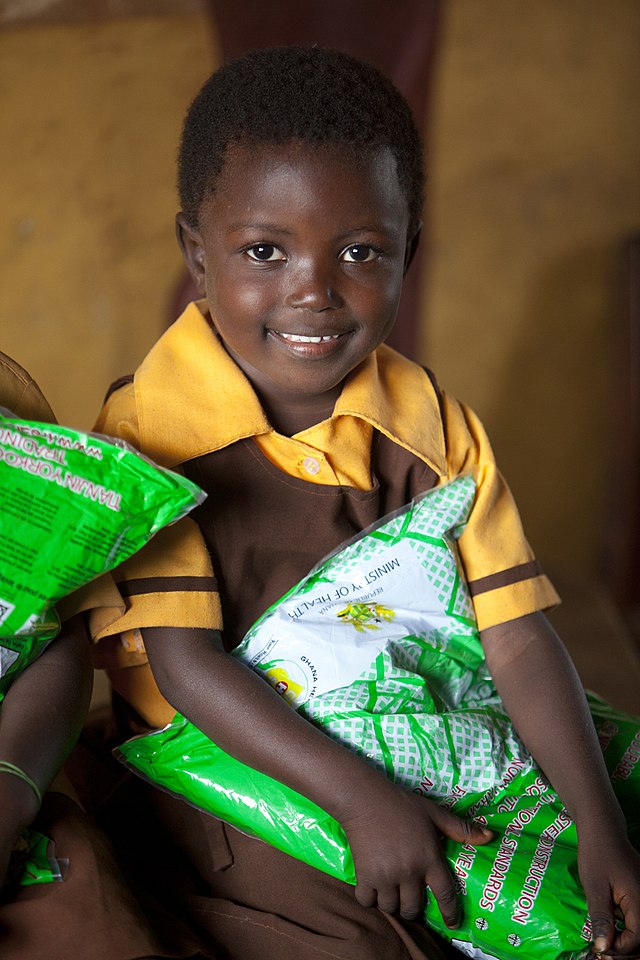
x: 189, y: 401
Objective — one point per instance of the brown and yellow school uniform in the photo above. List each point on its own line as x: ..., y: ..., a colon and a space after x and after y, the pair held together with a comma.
x: 276, y: 505
x: 91, y: 915
x: 392, y: 435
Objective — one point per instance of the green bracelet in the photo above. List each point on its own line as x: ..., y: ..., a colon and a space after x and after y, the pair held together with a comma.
x: 6, y: 767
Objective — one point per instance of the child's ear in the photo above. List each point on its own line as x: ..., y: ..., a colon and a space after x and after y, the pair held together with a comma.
x: 192, y: 250
x: 412, y: 246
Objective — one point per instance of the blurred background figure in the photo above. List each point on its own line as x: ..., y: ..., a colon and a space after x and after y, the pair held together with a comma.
x: 529, y: 273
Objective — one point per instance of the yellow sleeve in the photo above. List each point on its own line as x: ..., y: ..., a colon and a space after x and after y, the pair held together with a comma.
x: 505, y: 579
x: 169, y: 583
x: 118, y: 417
x: 100, y: 595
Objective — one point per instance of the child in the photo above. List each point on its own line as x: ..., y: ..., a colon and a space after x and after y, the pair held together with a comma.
x: 300, y: 178
x: 91, y: 915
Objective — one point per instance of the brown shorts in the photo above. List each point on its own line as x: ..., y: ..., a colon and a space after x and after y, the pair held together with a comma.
x: 200, y: 881
x: 245, y: 900
x: 91, y: 915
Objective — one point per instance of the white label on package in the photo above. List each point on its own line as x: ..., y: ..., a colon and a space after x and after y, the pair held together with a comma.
x: 326, y: 637
x: 7, y: 658
x: 6, y: 608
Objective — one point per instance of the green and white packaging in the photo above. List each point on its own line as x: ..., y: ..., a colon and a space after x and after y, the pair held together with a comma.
x: 72, y: 506
x: 378, y: 646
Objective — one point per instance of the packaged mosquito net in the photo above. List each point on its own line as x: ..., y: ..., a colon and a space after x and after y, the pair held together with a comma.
x: 378, y: 646
x: 72, y: 506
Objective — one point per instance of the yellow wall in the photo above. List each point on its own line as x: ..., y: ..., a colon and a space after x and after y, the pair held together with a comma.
x: 533, y: 182
x: 90, y: 118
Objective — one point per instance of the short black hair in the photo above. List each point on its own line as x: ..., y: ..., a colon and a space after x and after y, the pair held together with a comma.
x: 309, y: 94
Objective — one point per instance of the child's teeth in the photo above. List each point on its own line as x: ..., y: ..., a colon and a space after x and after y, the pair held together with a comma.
x: 297, y: 338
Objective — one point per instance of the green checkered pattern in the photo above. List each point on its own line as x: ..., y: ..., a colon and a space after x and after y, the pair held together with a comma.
x: 411, y: 713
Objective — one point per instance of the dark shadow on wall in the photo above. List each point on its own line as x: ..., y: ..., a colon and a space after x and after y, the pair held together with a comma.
x: 620, y: 558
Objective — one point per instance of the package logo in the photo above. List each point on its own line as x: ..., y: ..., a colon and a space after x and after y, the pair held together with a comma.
x: 365, y: 616
x: 288, y: 679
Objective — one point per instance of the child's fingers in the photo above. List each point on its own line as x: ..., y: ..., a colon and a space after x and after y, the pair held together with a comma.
x: 464, y: 831
x: 411, y: 900
x: 389, y: 899
x: 407, y: 900
x: 610, y: 875
x: 628, y: 940
x: 601, y: 912
x: 366, y: 895
x: 440, y: 881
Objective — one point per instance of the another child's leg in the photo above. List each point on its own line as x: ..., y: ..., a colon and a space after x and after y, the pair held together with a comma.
x: 91, y: 915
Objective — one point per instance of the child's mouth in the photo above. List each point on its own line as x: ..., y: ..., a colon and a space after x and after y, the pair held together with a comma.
x: 307, y: 346
x: 300, y: 338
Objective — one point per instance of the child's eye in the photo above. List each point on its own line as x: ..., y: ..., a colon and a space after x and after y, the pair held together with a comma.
x: 359, y: 253
x: 264, y: 252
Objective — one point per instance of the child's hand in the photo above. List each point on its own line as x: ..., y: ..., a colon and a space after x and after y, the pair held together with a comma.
x: 394, y: 835
x: 397, y: 852
x: 610, y: 874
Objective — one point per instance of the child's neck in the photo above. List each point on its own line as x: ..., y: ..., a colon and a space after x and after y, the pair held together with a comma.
x: 288, y: 412
x: 289, y: 415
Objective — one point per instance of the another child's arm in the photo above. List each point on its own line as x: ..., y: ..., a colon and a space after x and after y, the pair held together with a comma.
x: 541, y: 691
x: 40, y: 719
x: 393, y: 834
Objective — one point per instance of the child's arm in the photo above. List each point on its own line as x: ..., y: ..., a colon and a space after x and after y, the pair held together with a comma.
x: 40, y: 719
x: 541, y: 691
x: 393, y: 834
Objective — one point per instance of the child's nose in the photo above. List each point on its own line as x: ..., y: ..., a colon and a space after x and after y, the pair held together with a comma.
x: 313, y: 287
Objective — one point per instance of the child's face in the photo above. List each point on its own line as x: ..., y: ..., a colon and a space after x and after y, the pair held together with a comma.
x: 301, y: 252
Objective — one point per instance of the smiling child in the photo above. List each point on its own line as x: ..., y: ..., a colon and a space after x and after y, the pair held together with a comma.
x: 301, y: 189
x: 300, y: 312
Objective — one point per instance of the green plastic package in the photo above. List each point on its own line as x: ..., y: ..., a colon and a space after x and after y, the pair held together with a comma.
x: 411, y: 693
x: 72, y: 506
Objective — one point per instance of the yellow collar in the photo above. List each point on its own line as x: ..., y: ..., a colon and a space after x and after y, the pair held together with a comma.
x: 192, y: 398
